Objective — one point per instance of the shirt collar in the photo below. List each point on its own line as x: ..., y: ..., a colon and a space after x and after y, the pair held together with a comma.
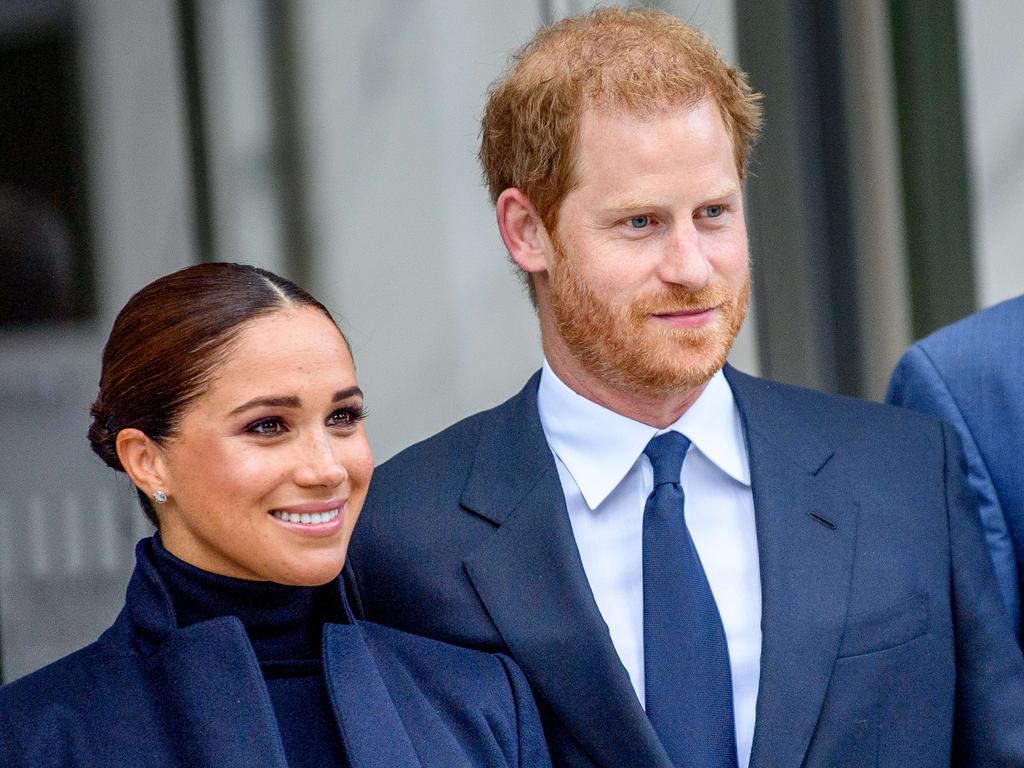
x: 599, y: 446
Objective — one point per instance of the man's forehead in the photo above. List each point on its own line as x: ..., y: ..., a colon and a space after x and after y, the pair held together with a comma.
x: 597, y: 123
x: 634, y: 169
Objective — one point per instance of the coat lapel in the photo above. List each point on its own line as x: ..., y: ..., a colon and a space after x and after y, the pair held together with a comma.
x: 224, y: 715
x: 205, y: 677
x: 220, y: 709
x: 530, y: 578
x: 370, y: 727
x: 806, y: 536
x: 220, y: 712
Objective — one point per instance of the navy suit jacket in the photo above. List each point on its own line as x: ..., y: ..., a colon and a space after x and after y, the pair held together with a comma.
x: 971, y: 374
x: 150, y: 695
x: 884, y: 642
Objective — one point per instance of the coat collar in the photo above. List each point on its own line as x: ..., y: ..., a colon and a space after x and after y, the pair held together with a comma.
x: 530, y: 577
x: 209, y: 680
x: 148, y: 619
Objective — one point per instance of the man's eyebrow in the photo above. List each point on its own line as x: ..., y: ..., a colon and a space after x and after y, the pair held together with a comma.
x: 638, y: 204
x: 632, y: 204
x: 732, y: 189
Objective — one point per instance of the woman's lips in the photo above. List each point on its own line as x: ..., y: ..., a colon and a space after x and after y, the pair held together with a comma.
x: 321, y: 518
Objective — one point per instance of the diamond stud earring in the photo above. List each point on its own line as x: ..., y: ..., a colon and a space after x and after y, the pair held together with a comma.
x: 159, y: 497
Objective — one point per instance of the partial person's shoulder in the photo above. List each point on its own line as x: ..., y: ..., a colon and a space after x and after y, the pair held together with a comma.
x: 995, y: 325
x: 85, y: 670
x: 417, y: 650
x: 481, y: 698
x: 452, y: 448
x: 839, y: 413
x: 437, y: 666
x: 864, y: 436
x: 51, y: 704
x: 1007, y: 315
x: 962, y: 356
x: 442, y: 447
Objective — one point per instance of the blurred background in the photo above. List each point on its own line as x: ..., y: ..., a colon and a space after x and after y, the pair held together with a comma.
x: 334, y: 141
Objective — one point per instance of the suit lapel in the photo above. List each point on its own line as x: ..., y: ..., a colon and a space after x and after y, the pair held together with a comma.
x: 529, y: 576
x: 531, y: 580
x: 806, y: 536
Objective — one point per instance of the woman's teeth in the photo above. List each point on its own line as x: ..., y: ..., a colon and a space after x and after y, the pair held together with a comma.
x: 306, y: 517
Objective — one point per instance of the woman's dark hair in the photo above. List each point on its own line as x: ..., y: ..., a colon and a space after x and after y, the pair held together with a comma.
x: 167, y: 342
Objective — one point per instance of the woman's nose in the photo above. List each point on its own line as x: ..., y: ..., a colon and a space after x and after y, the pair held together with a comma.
x: 319, y: 463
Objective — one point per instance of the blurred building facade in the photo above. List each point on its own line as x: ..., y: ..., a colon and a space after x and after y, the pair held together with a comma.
x: 334, y: 142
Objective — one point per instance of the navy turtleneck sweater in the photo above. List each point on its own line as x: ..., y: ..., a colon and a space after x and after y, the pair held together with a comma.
x: 284, y: 625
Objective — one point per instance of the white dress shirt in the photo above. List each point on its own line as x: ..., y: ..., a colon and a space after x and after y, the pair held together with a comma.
x: 606, y: 479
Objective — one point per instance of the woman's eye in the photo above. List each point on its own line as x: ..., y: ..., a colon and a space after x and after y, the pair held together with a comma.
x: 266, y: 427
x: 638, y: 222
x: 346, y: 417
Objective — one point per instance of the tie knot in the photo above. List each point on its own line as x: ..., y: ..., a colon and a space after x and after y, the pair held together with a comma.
x: 666, y: 453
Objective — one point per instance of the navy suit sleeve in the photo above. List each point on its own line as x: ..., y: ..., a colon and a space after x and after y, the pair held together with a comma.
x: 919, y: 385
x: 532, y: 748
x: 989, y: 706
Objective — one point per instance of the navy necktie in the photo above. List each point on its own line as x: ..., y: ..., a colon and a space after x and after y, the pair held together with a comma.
x: 686, y: 660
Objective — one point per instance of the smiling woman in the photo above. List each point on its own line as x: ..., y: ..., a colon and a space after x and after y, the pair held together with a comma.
x: 281, y: 419
x: 229, y: 397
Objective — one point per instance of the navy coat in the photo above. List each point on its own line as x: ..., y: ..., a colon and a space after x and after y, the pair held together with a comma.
x: 150, y: 695
x: 884, y: 640
x: 971, y: 374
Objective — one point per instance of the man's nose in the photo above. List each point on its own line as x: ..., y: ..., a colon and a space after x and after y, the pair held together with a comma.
x: 683, y: 260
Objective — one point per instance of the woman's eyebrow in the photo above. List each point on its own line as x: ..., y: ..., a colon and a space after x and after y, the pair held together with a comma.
x: 273, y: 401
x: 290, y: 401
x: 344, y: 394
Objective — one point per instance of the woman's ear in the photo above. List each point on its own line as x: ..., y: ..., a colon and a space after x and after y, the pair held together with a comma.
x: 142, y: 460
x: 523, y: 231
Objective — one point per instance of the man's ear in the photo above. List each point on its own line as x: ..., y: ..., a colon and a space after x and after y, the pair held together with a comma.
x: 143, y: 461
x: 525, y: 235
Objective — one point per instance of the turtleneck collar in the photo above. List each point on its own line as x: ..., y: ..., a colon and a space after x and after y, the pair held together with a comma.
x: 283, y: 623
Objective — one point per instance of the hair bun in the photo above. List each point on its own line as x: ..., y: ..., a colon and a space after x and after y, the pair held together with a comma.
x: 102, y: 440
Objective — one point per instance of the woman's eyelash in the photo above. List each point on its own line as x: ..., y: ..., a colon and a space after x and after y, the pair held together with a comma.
x: 352, y: 414
x: 274, y: 425
x: 259, y: 426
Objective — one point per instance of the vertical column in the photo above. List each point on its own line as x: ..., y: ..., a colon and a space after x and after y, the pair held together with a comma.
x: 934, y: 160
x: 798, y: 197
x: 136, y: 148
x: 239, y: 78
x: 876, y: 192
x: 992, y: 59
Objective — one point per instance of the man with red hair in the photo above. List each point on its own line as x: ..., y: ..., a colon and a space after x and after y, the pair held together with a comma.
x: 694, y: 567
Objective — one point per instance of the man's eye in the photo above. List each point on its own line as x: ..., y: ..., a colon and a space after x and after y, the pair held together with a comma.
x: 714, y: 211
x: 638, y: 222
x: 266, y: 427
